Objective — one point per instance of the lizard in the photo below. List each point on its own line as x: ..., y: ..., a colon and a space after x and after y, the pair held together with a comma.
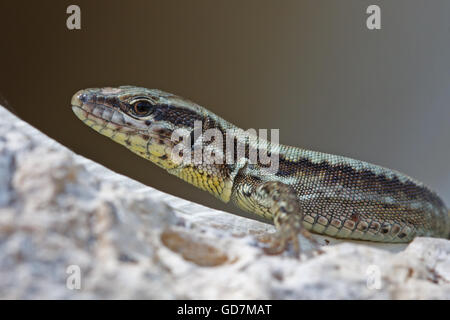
x: 310, y: 192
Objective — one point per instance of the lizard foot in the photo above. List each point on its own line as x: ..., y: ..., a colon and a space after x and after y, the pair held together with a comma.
x: 279, y: 241
x: 283, y: 204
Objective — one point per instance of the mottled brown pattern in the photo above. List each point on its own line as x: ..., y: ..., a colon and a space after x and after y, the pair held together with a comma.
x: 351, y: 178
x: 331, y: 195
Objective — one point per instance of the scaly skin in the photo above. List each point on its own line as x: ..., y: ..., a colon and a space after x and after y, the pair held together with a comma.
x: 323, y: 193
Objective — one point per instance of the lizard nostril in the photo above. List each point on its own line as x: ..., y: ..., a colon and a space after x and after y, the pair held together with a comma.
x: 79, y: 98
x: 83, y: 97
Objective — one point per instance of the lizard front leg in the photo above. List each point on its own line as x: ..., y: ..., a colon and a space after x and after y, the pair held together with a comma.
x: 277, y: 201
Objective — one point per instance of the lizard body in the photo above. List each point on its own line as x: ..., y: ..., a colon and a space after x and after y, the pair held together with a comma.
x: 326, y: 194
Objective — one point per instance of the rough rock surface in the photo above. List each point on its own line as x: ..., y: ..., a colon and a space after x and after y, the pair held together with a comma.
x: 63, y: 216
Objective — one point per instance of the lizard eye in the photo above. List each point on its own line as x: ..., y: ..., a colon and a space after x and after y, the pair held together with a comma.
x: 142, y: 108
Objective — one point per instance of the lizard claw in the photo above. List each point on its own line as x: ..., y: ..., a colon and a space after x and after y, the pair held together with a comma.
x: 279, y: 241
x: 288, y: 233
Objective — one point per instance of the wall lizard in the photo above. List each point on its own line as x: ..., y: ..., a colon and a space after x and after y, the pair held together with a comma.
x: 310, y: 191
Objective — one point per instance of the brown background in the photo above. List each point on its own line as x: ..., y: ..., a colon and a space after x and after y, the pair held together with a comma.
x: 310, y: 68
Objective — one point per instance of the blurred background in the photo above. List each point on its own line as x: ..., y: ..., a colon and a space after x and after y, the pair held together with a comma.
x: 310, y: 68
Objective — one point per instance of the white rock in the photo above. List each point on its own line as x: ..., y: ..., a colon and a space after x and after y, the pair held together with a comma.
x: 58, y: 209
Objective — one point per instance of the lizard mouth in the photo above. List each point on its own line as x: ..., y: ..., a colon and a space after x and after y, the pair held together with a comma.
x: 78, y: 106
x: 111, y: 121
x: 76, y: 99
x: 92, y: 110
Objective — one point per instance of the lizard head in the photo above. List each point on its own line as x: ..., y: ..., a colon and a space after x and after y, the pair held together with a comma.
x: 143, y: 120
x: 152, y: 123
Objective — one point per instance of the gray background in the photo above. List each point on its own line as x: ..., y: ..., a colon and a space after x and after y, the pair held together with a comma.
x: 310, y: 68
